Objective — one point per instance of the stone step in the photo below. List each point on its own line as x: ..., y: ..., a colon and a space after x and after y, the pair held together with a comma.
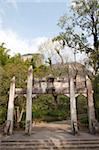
x: 50, y: 148
x: 30, y: 144
x: 65, y: 147
x: 50, y: 140
x: 56, y: 142
x: 44, y: 140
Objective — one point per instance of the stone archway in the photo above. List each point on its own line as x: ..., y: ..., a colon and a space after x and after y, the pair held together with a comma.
x: 50, y: 85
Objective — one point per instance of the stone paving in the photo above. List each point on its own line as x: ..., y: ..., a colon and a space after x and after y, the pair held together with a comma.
x: 56, y: 130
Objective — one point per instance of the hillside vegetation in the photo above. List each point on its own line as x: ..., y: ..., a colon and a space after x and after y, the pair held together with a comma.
x: 45, y: 107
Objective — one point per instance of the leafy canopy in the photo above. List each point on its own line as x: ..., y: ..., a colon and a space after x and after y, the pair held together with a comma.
x: 80, y: 29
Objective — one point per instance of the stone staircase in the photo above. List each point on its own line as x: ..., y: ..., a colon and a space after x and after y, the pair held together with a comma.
x: 50, y: 144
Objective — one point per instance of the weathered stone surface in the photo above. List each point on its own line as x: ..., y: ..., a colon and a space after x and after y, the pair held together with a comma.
x: 9, y: 123
x: 29, y: 102
x: 91, y: 110
x: 71, y: 85
x: 73, y: 107
x: 61, y: 86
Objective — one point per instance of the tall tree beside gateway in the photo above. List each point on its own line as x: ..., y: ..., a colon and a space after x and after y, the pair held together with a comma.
x: 81, y: 29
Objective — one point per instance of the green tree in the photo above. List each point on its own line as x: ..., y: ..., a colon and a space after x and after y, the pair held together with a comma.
x: 4, y: 56
x: 80, y: 30
x: 6, y: 73
x: 96, y: 94
x: 16, y: 59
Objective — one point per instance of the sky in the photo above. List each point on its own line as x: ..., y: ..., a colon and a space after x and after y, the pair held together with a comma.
x: 26, y: 24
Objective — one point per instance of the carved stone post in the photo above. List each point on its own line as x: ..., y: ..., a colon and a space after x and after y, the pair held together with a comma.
x: 91, y: 110
x: 9, y: 124
x: 29, y: 102
x: 73, y: 107
x: 74, y: 125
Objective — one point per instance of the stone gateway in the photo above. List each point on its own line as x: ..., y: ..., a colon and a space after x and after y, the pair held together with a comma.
x: 67, y: 86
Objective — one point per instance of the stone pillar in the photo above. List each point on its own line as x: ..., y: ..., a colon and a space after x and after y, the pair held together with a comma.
x: 9, y: 124
x: 73, y: 107
x: 91, y: 110
x: 29, y: 102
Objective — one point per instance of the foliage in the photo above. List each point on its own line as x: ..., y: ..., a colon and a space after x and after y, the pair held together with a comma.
x: 81, y: 29
x: 52, y: 51
x: 41, y: 71
x: 46, y: 108
x: 2, y: 114
x: 16, y: 59
x: 3, y: 55
x: 81, y: 101
x: 14, y: 66
x: 82, y: 109
x: 96, y: 90
x: 96, y: 94
x: 36, y: 60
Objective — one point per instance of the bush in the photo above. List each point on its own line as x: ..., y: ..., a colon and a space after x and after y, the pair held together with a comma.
x: 2, y: 114
x: 83, y: 119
